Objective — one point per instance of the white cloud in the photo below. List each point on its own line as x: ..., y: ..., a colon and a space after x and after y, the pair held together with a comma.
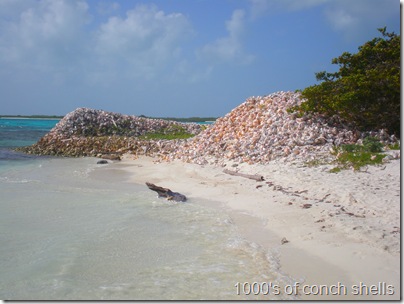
x: 145, y: 39
x: 340, y: 19
x: 56, y: 37
x: 351, y: 18
x: 43, y: 33
x: 235, y: 26
x: 229, y: 48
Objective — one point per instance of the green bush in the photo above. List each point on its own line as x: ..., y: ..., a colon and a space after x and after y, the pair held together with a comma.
x: 365, y: 92
x: 170, y: 133
x: 369, y: 144
x: 395, y: 146
x: 356, y: 156
x: 372, y: 144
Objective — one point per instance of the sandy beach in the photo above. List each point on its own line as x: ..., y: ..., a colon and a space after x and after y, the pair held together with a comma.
x: 337, y: 234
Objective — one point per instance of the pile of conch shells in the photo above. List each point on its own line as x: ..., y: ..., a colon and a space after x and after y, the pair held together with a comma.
x: 90, y: 122
x: 261, y: 130
x: 89, y: 132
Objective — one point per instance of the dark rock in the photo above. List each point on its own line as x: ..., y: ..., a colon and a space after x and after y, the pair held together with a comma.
x: 102, y: 162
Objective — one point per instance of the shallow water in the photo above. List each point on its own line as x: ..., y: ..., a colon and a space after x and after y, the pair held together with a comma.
x: 17, y: 132
x: 72, y: 231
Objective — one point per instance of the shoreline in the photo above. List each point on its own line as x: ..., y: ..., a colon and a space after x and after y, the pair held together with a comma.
x: 30, y: 118
x: 337, y: 227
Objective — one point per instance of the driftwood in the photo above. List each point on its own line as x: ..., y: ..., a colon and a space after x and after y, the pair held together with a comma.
x: 167, y: 193
x: 111, y: 156
x: 258, y: 178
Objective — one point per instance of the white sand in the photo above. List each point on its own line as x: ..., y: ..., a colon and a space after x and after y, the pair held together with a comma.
x: 350, y: 234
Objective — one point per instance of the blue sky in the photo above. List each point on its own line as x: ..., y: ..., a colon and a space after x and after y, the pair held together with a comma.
x: 178, y: 58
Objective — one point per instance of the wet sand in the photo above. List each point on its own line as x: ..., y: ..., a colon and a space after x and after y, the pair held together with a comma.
x: 337, y: 235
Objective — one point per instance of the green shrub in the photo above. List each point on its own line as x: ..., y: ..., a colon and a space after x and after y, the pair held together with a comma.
x: 395, y: 146
x: 356, y: 156
x: 372, y: 144
x: 350, y: 148
x: 357, y: 160
x: 365, y: 92
x: 170, y: 133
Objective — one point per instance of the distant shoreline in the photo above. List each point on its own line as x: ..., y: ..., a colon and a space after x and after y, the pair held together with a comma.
x: 31, y: 117
x: 208, y: 120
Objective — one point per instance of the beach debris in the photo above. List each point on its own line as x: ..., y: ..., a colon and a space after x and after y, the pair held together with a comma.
x: 306, y: 206
x: 284, y: 241
x: 351, y: 213
x: 111, y: 156
x: 324, y: 197
x: 102, y: 162
x: 256, y: 177
x: 167, y: 193
x: 287, y: 192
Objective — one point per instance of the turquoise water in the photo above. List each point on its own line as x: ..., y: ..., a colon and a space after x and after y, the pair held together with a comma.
x: 23, y: 132
x: 18, y: 133
x: 74, y: 230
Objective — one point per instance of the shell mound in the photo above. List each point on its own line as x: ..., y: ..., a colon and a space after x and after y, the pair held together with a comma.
x: 88, y: 132
x: 261, y: 129
x: 90, y: 122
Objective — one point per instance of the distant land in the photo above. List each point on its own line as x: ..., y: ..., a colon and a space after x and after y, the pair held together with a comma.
x: 190, y: 119
x: 33, y: 116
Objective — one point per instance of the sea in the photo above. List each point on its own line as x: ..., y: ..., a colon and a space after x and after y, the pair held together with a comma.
x: 71, y: 229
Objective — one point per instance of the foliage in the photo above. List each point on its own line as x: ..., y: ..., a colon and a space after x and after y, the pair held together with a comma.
x: 395, y: 146
x: 356, y: 160
x: 356, y: 156
x: 370, y: 144
x: 189, y: 119
x: 166, y: 136
x: 335, y: 170
x: 170, y: 133
x: 365, y: 91
x: 315, y: 163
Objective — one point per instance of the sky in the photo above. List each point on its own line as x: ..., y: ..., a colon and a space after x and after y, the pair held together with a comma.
x: 173, y: 58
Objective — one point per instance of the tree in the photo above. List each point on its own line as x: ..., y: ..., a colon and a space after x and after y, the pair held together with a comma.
x: 365, y: 91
